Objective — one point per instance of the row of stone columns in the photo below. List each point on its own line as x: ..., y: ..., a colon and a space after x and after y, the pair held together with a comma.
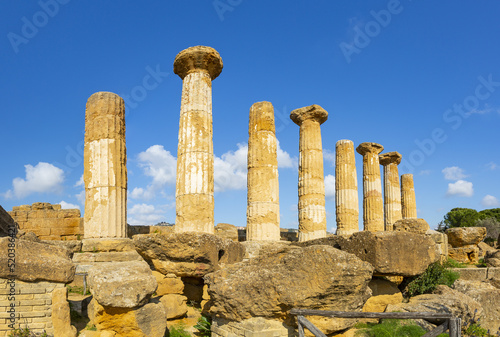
x: 105, y: 174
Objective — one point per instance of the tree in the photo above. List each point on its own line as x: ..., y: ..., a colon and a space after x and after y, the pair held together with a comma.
x: 490, y: 213
x: 461, y: 217
x: 492, y: 228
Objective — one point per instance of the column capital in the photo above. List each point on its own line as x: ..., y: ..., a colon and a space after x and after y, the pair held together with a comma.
x: 369, y: 147
x: 198, y: 58
x: 314, y: 112
x: 390, y: 158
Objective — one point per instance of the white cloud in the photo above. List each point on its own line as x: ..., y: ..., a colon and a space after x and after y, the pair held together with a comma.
x: 330, y: 187
x: 230, y: 170
x: 159, y: 164
x: 490, y: 201
x: 67, y: 205
x: 80, y: 182
x: 81, y: 197
x: 42, y: 178
x: 460, y: 188
x: 453, y: 173
x: 329, y: 157
x: 492, y: 166
x: 144, y: 214
x: 285, y: 160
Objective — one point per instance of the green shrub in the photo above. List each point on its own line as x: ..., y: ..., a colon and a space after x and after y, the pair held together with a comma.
x: 204, y: 326
x: 433, y: 276
x: 177, y: 331
x: 476, y: 330
x: 26, y: 333
x: 450, y: 263
x: 391, y: 328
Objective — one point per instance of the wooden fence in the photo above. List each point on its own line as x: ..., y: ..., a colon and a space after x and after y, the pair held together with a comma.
x: 453, y: 324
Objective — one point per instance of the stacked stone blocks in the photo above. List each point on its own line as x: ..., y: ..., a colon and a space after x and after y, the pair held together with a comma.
x: 49, y: 222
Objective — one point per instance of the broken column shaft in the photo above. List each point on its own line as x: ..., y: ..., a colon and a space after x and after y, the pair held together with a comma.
x: 373, y: 204
x: 346, y: 188
x: 105, y: 167
x: 194, y: 198
x: 392, y: 191
x: 408, y: 202
x: 263, y: 216
x: 312, y: 214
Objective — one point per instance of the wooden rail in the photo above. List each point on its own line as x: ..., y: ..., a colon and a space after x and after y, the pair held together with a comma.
x: 453, y: 324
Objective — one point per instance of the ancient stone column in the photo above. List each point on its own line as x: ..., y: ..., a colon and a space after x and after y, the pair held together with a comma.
x: 392, y: 191
x: 346, y: 188
x: 373, y: 204
x: 105, y: 167
x: 312, y: 213
x: 408, y: 203
x: 194, y: 193
x: 263, y: 210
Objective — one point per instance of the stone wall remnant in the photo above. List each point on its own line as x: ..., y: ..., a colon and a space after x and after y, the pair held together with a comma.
x: 373, y: 205
x: 263, y: 210
x: 312, y: 213
x: 105, y: 167
x: 197, y: 67
x: 346, y: 188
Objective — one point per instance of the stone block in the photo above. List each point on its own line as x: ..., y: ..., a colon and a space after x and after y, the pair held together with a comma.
x: 175, y: 305
x: 465, y: 236
x: 107, y: 245
x: 465, y: 254
x: 472, y: 274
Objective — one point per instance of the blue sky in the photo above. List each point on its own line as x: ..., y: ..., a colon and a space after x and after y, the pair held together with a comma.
x: 419, y: 77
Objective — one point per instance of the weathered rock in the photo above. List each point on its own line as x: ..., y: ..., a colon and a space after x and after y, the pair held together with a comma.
x: 383, y: 294
x: 107, y: 257
x: 419, y: 226
x: 492, y: 259
x: 193, y: 288
x: 442, y: 300
x: 36, y: 261
x: 7, y: 225
x: 489, y: 298
x: 175, y: 305
x: 73, y: 246
x: 61, y: 318
x: 122, y: 284
x: 493, y: 277
x: 465, y: 254
x: 107, y: 245
x: 472, y: 274
x: 146, y: 321
x: 390, y: 253
x: 484, y: 248
x: 270, y: 285
x: 227, y: 231
x: 168, y: 284
x: 187, y: 254
x: 28, y: 236
x: 465, y: 236
x: 441, y: 241
x: 255, y: 326
x: 254, y: 249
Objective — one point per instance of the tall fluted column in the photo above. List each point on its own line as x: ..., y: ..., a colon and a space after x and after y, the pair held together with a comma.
x: 373, y: 204
x: 408, y: 202
x: 392, y: 191
x: 105, y: 167
x: 312, y: 213
x: 263, y: 210
x: 194, y: 192
x: 346, y: 188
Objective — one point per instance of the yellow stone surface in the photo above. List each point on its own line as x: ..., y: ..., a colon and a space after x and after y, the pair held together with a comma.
x: 105, y: 167
x: 197, y: 67
x: 312, y: 213
x: 392, y: 190
x: 373, y: 203
x: 408, y: 202
x: 346, y: 188
x: 263, y: 217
